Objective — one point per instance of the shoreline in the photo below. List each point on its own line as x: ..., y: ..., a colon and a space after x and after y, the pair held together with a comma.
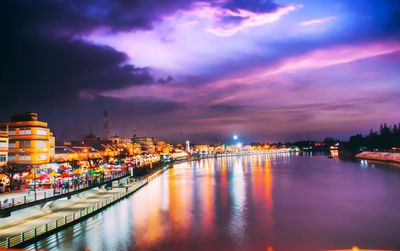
x: 379, y: 156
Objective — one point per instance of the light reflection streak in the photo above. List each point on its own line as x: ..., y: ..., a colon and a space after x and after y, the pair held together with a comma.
x: 180, y: 192
x: 268, y: 190
x: 238, y: 193
x: 208, y: 200
x: 148, y: 218
x: 165, y: 193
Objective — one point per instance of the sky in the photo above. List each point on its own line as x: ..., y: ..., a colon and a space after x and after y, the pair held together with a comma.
x: 203, y: 70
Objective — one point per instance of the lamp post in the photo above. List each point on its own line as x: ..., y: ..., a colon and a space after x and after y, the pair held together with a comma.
x: 34, y: 175
x: 87, y: 156
x: 34, y: 181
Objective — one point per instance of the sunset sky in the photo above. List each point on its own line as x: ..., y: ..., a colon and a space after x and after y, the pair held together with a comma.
x: 203, y: 70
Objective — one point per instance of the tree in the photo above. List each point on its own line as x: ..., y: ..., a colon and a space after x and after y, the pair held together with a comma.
x: 387, y: 138
x: 93, y: 162
x: 122, y: 155
x: 330, y: 142
x: 106, y: 158
x: 74, y: 164
x: 11, y: 169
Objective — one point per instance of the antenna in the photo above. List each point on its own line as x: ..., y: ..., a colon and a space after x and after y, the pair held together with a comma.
x: 105, y: 129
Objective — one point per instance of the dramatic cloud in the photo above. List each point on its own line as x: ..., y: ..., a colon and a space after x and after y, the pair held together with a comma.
x: 317, y: 21
x: 178, y: 69
x: 227, y: 22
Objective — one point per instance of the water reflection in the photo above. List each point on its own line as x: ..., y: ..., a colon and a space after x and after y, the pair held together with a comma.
x: 259, y: 202
x: 238, y: 194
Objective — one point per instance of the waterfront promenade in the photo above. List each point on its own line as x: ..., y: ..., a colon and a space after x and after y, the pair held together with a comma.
x: 54, y: 215
x: 28, y: 199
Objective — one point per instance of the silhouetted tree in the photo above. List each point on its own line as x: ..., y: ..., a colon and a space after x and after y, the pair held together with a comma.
x: 387, y: 138
x: 11, y: 169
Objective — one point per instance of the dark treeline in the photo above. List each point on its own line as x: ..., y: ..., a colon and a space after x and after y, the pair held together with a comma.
x: 387, y: 139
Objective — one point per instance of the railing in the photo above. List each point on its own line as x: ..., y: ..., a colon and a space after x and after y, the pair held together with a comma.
x: 31, y: 198
x: 45, y: 228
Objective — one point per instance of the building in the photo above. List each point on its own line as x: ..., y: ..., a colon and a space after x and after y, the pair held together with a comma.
x: 146, y: 144
x: 202, y: 148
x: 188, y: 146
x: 116, y: 140
x: 151, y: 145
x: 3, y: 146
x: 163, y: 147
x: 30, y: 141
x: 125, y: 143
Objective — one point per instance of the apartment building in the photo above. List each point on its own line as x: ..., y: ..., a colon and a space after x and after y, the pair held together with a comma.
x: 30, y: 141
x: 3, y: 146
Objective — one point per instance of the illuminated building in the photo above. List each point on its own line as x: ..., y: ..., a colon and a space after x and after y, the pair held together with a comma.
x: 202, y: 148
x: 187, y: 146
x: 30, y: 141
x: 3, y: 146
x: 119, y: 141
x: 147, y: 144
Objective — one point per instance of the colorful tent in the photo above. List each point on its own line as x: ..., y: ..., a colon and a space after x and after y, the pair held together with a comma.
x: 45, y: 177
x: 29, y: 177
x: 101, y: 169
x: 54, y: 174
x: 63, y: 168
x: 65, y: 175
x: 78, y: 171
x: 91, y: 171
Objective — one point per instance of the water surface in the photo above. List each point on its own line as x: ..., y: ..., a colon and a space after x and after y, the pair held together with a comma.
x: 280, y: 202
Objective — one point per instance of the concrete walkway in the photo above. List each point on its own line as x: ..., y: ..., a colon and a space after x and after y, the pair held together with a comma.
x: 55, y: 210
x: 22, y: 193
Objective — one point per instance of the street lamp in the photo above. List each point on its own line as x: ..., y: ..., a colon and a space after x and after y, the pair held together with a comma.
x: 235, y: 137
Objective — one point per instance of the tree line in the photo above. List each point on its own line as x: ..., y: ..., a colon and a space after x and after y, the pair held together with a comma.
x: 386, y: 139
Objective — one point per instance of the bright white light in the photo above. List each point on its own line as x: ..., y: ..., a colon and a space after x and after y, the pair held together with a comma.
x: 239, y: 145
x: 235, y: 137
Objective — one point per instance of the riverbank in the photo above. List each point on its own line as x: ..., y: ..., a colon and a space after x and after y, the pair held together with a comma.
x: 233, y: 154
x: 380, y: 156
x: 54, y: 216
x: 35, y: 223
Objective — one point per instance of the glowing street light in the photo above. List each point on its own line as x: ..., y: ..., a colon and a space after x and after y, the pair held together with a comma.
x: 235, y: 137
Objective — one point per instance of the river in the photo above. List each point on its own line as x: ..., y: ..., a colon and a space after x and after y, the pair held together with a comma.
x: 260, y: 202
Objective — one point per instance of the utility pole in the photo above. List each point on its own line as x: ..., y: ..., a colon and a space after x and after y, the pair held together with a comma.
x: 105, y: 128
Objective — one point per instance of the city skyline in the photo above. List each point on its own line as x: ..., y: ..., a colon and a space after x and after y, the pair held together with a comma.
x: 204, y: 70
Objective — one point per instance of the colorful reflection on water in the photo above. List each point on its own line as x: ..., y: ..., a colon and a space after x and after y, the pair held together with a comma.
x: 259, y: 202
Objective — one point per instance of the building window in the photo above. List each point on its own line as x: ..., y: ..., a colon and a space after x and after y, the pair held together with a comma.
x: 3, y: 158
x: 41, y: 144
x: 42, y: 132
x: 25, y: 131
x: 25, y: 144
x: 11, y: 156
x: 12, y: 144
x: 12, y: 132
x: 3, y: 144
x: 24, y: 156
